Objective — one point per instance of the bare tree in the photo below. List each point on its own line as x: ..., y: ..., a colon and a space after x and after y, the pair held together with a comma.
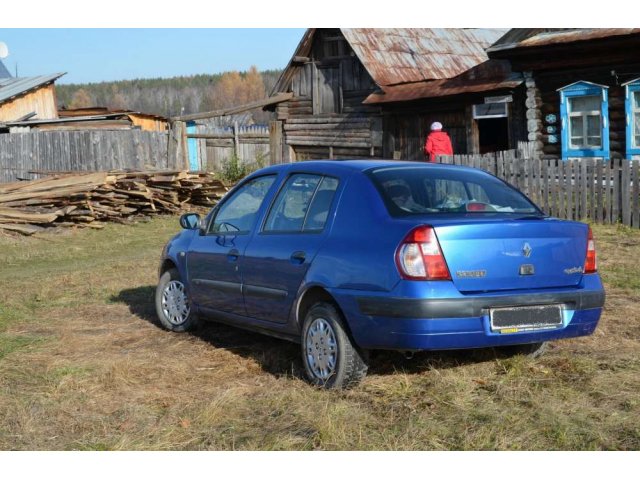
x: 80, y: 99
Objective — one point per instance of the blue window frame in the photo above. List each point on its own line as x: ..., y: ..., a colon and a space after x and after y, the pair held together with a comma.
x: 584, y: 108
x: 632, y: 114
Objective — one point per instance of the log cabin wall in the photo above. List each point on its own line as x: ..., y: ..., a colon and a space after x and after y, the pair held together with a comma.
x: 406, y: 125
x: 547, y: 84
x: 555, y: 59
x: 326, y: 117
x: 405, y: 132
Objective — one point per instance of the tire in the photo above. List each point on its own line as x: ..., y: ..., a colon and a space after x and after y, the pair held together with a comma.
x: 173, y: 306
x: 531, y: 350
x: 329, y: 356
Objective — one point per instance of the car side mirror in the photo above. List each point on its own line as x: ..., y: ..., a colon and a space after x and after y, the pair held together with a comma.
x: 190, y: 221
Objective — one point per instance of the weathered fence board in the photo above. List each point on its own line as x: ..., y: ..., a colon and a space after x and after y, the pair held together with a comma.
x: 599, y: 217
x: 625, y: 191
x: 602, y: 191
x: 250, y: 144
x: 80, y: 151
x: 635, y: 195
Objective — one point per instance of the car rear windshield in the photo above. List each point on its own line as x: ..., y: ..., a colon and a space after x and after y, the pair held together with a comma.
x: 420, y: 190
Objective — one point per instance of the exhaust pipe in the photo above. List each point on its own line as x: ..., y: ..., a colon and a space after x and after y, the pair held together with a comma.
x: 408, y: 354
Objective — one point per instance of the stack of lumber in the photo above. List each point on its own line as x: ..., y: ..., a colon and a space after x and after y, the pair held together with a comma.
x: 90, y: 199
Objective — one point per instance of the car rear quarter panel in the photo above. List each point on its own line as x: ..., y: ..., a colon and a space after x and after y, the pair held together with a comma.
x: 359, y: 252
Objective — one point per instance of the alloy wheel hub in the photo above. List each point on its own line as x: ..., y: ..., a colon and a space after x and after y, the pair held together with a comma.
x: 175, y: 304
x: 321, y: 349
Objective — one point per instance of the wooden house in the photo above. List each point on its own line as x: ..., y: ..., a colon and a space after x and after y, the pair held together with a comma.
x: 582, y: 89
x: 363, y: 93
x: 28, y: 98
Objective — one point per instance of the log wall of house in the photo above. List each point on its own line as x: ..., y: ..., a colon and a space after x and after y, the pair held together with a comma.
x: 406, y: 126
x: 547, y: 85
x: 326, y: 117
x: 405, y: 132
x: 610, y: 61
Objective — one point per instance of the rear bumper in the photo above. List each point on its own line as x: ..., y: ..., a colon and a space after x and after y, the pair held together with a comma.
x: 380, y: 321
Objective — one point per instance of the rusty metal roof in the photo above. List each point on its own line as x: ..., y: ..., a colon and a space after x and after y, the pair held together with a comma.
x: 101, y: 111
x: 12, y: 87
x: 538, y: 37
x: 51, y: 121
x: 488, y: 76
x: 405, y: 55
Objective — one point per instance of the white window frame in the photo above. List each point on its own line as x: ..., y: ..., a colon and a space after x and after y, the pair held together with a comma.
x: 635, y: 110
x: 584, y: 115
x: 477, y: 116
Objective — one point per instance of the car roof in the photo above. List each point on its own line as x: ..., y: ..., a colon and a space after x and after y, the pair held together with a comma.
x: 337, y: 166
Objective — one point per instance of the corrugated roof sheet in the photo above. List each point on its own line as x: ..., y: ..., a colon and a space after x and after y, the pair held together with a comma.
x: 97, y: 111
x: 48, y: 121
x: 405, y: 55
x: 4, y: 73
x: 538, y: 37
x: 488, y: 76
x: 12, y: 87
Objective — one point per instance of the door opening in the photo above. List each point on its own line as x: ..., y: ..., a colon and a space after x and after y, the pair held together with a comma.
x: 493, y: 134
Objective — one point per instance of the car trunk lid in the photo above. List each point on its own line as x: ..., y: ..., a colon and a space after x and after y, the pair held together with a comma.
x: 529, y: 253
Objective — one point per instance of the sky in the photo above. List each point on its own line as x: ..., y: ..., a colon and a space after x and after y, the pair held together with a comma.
x: 80, y: 46
x: 95, y: 55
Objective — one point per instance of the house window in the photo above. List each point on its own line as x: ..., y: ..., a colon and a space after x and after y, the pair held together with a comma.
x: 632, y: 110
x: 584, y: 108
x: 585, y: 123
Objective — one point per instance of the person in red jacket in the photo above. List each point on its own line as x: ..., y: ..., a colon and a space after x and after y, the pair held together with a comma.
x: 438, y: 143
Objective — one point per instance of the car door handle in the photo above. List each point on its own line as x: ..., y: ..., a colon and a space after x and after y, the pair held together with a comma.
x: 233, y: 255
x: 298, y: 257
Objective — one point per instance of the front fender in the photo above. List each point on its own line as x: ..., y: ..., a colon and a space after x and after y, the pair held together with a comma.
x: 175, y: 251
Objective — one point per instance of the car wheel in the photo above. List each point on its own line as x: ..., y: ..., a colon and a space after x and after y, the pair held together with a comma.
x: 531, y: 350
x: 172, y: 303
x: 330, y: 358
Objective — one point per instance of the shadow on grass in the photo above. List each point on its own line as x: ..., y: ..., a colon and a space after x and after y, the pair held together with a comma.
x: 275, y: 356
x: 282, y: 358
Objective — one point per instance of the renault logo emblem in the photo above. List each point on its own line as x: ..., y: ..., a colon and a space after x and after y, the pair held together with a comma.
x: 526, y: 250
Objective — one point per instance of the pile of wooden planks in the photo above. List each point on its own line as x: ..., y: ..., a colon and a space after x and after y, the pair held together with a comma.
x: 90, y: 199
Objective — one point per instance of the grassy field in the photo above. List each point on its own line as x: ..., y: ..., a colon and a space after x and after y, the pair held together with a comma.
x: 84, y: 366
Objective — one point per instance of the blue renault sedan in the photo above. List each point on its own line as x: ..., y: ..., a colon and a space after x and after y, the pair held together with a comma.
x: 349, y: 256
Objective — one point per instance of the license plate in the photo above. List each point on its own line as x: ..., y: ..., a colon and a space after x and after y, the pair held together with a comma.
x: 522, y: 319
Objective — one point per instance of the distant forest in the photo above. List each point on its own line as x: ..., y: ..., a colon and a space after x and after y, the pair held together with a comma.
x: 174, y: 96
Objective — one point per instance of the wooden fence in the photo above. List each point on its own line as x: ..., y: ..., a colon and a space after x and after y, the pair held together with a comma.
x: 601, y: 191
x: 249, y: 143
x: 80, y: 150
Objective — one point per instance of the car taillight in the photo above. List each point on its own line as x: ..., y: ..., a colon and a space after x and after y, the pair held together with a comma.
x: 590, y: 265
x: 419, y: 256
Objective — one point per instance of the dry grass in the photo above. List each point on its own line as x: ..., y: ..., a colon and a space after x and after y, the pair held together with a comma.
x: 83, y: 365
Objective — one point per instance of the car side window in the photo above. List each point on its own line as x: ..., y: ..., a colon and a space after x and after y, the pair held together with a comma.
x: 302, y: 204
x: 320, y: 205
x: 238, y: 213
